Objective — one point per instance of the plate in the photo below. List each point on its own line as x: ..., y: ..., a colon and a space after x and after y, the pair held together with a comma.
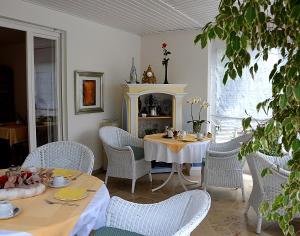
x: 66, y: 183
x: 16, y: 212
x: 65, y: 173
x: 71, y: 194
x: 189, y: 140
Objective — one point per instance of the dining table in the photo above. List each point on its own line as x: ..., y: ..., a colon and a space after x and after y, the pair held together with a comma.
x: 40, y: 218
x: 178, y: 151
x: 14, y: 133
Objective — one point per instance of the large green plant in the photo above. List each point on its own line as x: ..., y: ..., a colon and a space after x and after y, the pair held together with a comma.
x: 262, y: 25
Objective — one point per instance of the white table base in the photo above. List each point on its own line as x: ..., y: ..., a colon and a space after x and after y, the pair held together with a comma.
x: 193, y: 152
x: 177, y: 168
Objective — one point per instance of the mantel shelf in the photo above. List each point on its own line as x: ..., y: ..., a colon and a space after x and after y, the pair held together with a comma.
x: 154, y: 117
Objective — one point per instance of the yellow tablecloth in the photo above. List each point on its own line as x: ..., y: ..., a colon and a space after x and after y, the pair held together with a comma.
x: 42, y: 219
x: 14, y: 133
x: 175, y: 145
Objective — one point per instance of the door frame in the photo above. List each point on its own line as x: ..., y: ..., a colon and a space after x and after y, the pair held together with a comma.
x: 33, y: 30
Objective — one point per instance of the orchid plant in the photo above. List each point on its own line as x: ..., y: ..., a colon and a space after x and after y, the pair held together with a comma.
x: 197, y: 123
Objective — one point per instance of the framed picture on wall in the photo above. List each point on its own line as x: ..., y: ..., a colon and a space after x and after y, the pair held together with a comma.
x: 88, y: 92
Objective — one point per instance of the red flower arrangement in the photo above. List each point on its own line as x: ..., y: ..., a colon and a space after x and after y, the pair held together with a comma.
x: 164, y: 45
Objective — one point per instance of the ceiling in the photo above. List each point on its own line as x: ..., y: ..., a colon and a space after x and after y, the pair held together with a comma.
x: 139, y: 16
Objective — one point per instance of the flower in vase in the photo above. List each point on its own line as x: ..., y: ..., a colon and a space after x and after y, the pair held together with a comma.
x: 197, y: 123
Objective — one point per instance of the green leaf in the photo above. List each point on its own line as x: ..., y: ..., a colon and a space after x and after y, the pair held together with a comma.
x: 211, y: 34
x: 232, y: 74
x: 291, y: 72
x: 197, y: 38
x: 246, y: 123
x: 269, y: 127
x: 225, y: 78
x: 203, y: 41
x: 218, y: 31
x: 261, y: 17
x: 244, y: 41
x: 229, y: 51
x: 236, y: 44
x: 240, y: 20
x: 296, y: 145
x: 250, y: 15
x: 297, y: 91
x: 266, y: 171
x: 264, y: 143
x: 255, y: 67
x: 282, y: 101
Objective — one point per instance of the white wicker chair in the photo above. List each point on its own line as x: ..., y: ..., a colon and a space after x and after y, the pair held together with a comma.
x: 120, y: 156
x: 268, y: 187
x: 222, y: 167
x: 177, y: 216
x: 62, y: 154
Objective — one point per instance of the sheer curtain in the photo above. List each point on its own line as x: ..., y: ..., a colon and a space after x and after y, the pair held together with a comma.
x: 230, y: 102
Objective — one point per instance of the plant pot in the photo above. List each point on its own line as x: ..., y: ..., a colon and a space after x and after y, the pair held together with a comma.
x: 196, y: 128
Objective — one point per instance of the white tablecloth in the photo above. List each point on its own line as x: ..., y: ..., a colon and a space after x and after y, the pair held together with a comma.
x: 93, y: 216
x: 192, y: 153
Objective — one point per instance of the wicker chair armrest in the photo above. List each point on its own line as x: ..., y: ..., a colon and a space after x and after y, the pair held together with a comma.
x: 281, y: 173
x: 223, y: 154
x: 123, y: 152
x: 134, y: 141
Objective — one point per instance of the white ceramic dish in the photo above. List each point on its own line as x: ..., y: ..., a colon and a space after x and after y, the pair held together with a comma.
x: 16, y: 212
x: 66, y: 183
x: 17, y: 193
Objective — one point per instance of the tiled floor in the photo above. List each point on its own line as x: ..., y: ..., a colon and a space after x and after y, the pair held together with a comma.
x: 225, y: 218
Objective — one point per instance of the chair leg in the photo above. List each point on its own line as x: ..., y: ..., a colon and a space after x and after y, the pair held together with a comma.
x: 150, y: 176
x: 133, y: 186
x: 259, y: 222
x: 243, y: 194
x: 106, y: 179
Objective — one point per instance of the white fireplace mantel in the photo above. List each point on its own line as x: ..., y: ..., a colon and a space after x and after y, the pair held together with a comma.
x: 132, y: 93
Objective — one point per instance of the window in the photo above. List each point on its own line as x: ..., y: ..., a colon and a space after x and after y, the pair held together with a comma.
x: 229, y: 102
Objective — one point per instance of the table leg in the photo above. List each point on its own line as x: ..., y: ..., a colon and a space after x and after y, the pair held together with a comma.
x: 168, y: 179
x: 188, y: 180
x: 179, y: 173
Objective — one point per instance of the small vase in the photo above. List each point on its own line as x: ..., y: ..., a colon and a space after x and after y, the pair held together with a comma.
x: 166, y: 73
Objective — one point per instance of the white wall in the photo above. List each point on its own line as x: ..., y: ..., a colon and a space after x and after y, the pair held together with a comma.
x: 90, y: 47
x: 188, y: 63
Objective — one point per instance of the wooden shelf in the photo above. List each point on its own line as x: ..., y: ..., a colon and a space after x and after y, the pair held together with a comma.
x: 154, y: 117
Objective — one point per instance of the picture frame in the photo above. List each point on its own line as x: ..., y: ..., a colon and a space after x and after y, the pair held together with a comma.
x: 88, y: 92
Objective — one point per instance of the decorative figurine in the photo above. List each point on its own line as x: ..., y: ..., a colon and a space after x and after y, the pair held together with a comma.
x: 133, y: 75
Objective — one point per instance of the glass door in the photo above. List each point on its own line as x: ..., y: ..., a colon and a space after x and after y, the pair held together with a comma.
x: 46, y: 94
x: 44, y: 82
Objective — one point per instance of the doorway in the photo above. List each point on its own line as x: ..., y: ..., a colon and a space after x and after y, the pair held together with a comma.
x: 30, y: 90
x: 13, y: 97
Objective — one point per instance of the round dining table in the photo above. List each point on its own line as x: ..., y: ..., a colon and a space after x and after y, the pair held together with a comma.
x: 39, y: 218
x: 159, y: 148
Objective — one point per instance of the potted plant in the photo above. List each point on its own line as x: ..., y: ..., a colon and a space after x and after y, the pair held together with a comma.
x: 261, y: 26
x: 197, y: 123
